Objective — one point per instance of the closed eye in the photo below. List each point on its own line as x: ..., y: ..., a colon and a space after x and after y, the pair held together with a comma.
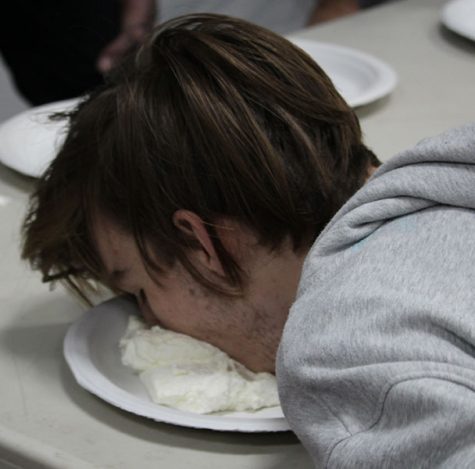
x: 115, y: 280
x: 142, y: 296
x: 118, y: 276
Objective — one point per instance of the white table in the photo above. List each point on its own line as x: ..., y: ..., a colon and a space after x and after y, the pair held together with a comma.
x: 46, y: 420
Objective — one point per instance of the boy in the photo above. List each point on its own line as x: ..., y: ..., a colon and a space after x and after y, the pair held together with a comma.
x: 198, y: 179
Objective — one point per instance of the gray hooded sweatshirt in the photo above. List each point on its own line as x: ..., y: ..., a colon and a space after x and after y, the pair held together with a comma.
x: 376, y: 368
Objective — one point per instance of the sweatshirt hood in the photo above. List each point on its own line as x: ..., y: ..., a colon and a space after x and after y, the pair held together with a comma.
x: 437, y: 171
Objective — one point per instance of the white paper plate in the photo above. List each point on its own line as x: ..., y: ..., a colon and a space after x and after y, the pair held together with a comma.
x: 92, y: 353
x: 30, y: 140
x: 359, y: 77
x: 459, y: 16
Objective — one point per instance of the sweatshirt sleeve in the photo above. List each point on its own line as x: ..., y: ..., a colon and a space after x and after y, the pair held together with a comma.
x: 423, y: 423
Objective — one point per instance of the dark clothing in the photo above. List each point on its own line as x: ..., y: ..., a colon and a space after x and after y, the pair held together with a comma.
x: 51, y: 46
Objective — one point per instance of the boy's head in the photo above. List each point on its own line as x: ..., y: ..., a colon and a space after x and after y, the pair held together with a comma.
x: 203, y: 171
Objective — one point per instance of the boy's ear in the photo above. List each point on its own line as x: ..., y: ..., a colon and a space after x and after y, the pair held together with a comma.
x: 194, y: 227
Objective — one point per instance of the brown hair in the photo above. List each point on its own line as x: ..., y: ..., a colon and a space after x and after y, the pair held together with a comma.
x: 214, y: 115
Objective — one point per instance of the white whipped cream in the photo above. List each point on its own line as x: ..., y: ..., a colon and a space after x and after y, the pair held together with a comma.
x: 189, y: 374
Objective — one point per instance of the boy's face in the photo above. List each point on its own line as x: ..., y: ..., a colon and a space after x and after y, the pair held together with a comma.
x: 248, y: 328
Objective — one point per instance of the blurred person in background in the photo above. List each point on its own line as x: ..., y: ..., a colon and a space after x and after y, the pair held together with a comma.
x: 57, y: 50
x: 52, y: 47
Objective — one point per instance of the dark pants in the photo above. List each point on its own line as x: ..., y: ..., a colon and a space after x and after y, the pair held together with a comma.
x: 51, y: 46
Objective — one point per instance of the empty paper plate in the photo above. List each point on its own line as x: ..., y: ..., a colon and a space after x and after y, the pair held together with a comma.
x: 30, y: 140
x: 359, y: 77
x: 459, y: 16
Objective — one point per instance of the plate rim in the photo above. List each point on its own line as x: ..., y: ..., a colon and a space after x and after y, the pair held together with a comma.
x: 447, y: 18
x: 77, y: 355
x: 388, y: 78
x: 27, y: 117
